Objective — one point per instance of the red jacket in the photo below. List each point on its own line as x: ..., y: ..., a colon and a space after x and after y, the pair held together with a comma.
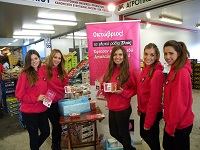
x: 149, y: 93
x: 56, y: 84
x: 1, y: 70
x: 178, y: 100
x: 119, y: 102
x: 28, y: 96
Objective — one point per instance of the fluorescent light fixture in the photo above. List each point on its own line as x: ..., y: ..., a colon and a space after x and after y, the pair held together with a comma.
x: 79, y: 33
x: 15, y: 40
x: 26, y: 36
x: 26, y: 33
x: 198, y: 26
x: 169, y: 19
x: 58, y: 16
x: 9, y: 43
x: 111, y: 7
x: 148, y: 15
x: 76, y: 37
x: 39, y: 31
x: 56, y: 22
x: 38, y: 27
x: 36, y: 39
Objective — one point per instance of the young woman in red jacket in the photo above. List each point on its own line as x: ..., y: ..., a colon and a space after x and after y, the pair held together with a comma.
x: 57, y: 78
x: 178, y: 115
x: 118, y: 101
x: 30, y: 91
x: 149, y: 94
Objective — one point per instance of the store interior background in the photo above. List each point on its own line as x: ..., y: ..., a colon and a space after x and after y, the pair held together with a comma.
x: 158, y: 33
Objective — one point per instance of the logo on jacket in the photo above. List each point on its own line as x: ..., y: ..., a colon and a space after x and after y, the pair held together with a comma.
x: 142, y: 80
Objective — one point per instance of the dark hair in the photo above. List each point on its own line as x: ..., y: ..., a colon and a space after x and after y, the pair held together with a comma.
x: 124, y: 66
x: 183, y: 54
x: 149, y: 46
x: 61, y: 66
x: 31, y: 73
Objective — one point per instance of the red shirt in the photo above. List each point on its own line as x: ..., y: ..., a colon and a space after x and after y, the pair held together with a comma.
x: 119, y: 102
x: 28, y: 96
x: 149, y: 93
x: 178, y: 100
x: 56, y: 84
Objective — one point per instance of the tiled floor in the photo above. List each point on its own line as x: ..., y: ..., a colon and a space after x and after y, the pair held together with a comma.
x: 19, y: 140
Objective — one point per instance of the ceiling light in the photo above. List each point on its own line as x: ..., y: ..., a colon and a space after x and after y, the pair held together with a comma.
x: 148, y: 15
x: 198, y: 26
x: 50, y: 15
x: 111, y: 7
x: 76, y: 37
x: 56, y: 22
x: 39, y: 31
x: 170, y: 19
x: 9, y: 43
x: 26, y: 33
x: 38, y: 26
x: 26, y: 36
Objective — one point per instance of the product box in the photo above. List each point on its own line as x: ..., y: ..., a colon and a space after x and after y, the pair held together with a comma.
x: 110, y: 87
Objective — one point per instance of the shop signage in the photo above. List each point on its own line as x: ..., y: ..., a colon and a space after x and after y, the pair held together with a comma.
x: 132, y: 4
x: 75, y: 4
x: 102, y: 37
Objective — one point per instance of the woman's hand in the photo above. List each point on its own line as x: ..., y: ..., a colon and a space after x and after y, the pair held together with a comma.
x: 118, y: 91
x: 41, y: 97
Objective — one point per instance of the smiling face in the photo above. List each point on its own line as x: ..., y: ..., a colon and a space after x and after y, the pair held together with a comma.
x: 35, y: 61
x: 56, y: 59
x: 118, y: 57
x: 149, y: 56
x: 170, y: 55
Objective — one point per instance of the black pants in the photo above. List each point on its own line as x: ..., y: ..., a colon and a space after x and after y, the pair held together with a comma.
x: 119, y: 126
x: 35, y: 121
x: 181, y: 140
x: 151, y: 136
x: 54, y: 117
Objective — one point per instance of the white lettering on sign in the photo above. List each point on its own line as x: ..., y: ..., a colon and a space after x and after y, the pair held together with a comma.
x: 108, y: 34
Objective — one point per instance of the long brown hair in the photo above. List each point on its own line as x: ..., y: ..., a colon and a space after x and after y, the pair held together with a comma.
x: 183, y: 54
x: 31, y: 73
x: 124, y: 66
x: 61, y: 65
x: 149, y: 46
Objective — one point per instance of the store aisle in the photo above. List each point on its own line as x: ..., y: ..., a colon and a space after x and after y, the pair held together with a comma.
x: 14, y: 137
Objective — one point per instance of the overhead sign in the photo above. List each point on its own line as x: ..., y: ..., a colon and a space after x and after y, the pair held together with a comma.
x: 74, y: 3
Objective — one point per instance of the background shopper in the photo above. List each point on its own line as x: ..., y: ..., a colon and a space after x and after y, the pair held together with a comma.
x: 149, y: 94
x: 1, y: 71
x: 57, y: 78
x: 178, y: 100
x: 118, y: 101
x: 30, y: 90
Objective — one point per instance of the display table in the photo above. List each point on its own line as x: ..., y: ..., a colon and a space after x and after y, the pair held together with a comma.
x: 66, y: 120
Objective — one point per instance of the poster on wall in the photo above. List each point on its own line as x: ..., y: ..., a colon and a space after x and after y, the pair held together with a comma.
x: 102, y: 37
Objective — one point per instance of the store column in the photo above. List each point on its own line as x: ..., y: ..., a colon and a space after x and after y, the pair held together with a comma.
x: 47, y: 49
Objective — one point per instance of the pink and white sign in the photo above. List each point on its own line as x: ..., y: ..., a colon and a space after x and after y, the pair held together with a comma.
x: 102, y: 37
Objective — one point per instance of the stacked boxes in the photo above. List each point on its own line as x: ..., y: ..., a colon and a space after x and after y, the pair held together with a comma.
x: 71, y: 60
x: 12, y: 105
x: 195, y: 74
x: 87, y: 132
x: 85, y: 77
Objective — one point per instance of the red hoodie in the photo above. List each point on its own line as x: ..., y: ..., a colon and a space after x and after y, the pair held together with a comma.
x: 178, y: 100
x: 149, y: 93
x: 119, y: 102
x: 56, y: 84
x: 1, y: 70
x: 28, y: 96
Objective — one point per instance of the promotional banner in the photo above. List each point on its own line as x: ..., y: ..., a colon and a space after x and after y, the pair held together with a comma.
x: 102, y: 37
